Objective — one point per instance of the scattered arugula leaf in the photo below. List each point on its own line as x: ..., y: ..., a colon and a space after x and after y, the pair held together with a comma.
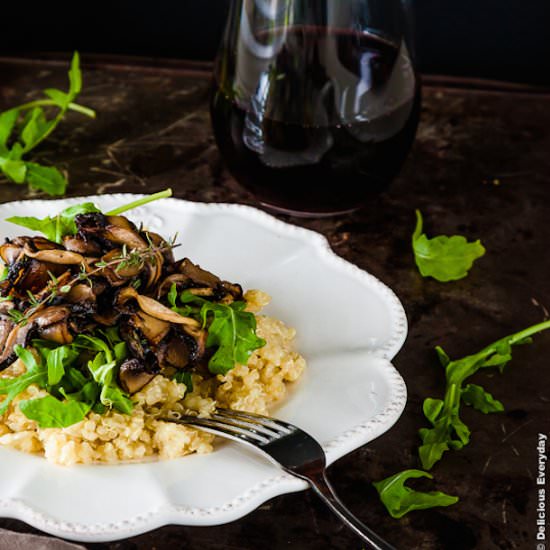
x: 443, y: 258
x: 63, y: 224
x: 448, y: 431
x: 400, y: 499
x: 475, y: 396
x: 49, y: 412
x: 24, y: 127
x: 231, y: 329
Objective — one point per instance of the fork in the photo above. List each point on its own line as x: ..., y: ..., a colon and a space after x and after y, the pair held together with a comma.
x: 289, y: 447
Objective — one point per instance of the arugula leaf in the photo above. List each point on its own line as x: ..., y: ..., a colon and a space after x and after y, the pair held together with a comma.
x: 63, y: 224
x: 183, y: 377
x: 75, y: 77
x: 231, y: 329
x: 103, y: 368
x: 7, y: 122
x: 88, y: 393
x: 448, y: 431
x: 16, y: 170
x: 26, y: 126
x: 49, y: 412
x: 113, y: 397
x: 57, y: 227
x: 46, y: 178
x: 12, y: 387
x: 444, y: 258
x: 481, y: 400
x: 35, y: 126
x: 172, y: 295
x: 400, y: 499
x: 57, y: 360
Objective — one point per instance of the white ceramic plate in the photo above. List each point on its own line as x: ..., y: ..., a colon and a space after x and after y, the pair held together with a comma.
x: 349, y: 327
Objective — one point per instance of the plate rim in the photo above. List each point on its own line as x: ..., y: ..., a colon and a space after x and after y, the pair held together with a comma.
x: 277, y: 485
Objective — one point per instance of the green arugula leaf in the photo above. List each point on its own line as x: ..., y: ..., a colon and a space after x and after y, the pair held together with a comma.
x: 172, y: 296
x: 58, y: 360
x: 59, y: 226
x: 231, y: 329
x: 104, y: 368
x: 49, y: 412
x: 46, y: 178
x: 59, y: 98
x: 183, y: 377
x: 11, y: 387
x: 481, y: 400
x: 88, y: 393
x: 56, y: 227
x: 448, y: 431
x: 113, y: 397
x: 400, y: 499
x: 75, y: 77
x: 7, y: 122
x: 34, y: 127
x: 15, y: 170
x: 444, y: 258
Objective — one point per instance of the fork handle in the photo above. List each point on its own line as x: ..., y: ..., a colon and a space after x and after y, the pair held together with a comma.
x: 322, y: 487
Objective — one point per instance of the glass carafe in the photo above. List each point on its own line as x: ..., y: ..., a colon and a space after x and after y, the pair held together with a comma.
x: 315, y: 102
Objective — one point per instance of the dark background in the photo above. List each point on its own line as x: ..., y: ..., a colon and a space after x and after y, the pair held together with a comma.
x: 495, y: 39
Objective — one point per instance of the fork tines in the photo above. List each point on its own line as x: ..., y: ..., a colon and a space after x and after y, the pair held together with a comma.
x: 252, y: 428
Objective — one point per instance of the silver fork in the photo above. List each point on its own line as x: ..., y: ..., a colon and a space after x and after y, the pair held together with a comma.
x: 289, y: 447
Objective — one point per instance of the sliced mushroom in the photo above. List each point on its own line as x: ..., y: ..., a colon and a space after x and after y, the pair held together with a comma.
x: 55, y: 256
x: 10, y: 252
x: 80, y: 246
x: 121, y: 221
x: 6, y: 326
x: 179, y: 279
x: 175, y: 351
x: 118, y: 274
x: 39, y: 321
x: 159, y: 311
x: 197, y: 274
x: 128, y: 237
x: 133, y: 375
x: 122, y: 297
x: 234, y: 289
x: 139, y: 347
x: 153, y: 329
x: 159, y: 242
x: 58, y: 333
x: 83, y: 300
x: 203, y: 278
x: 81, y: 293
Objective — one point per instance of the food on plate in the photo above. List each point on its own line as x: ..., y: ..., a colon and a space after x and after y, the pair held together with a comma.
x: 103, y: 331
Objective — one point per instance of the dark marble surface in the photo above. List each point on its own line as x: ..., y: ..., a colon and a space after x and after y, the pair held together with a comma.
x: 480, y: 167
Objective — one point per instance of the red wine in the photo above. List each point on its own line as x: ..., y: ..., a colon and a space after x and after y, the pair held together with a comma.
x: 320, y: 125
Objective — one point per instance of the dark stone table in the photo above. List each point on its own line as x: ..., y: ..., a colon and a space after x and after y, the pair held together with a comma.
x: 480, y: 167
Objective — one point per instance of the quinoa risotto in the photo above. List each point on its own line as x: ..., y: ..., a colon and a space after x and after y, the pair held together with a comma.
x: 115, y: 437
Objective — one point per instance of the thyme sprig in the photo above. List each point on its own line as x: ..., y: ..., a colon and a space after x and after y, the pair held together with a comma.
x: 127, y: 258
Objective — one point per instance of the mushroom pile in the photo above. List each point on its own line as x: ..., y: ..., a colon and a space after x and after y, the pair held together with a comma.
x: 109, y: 274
